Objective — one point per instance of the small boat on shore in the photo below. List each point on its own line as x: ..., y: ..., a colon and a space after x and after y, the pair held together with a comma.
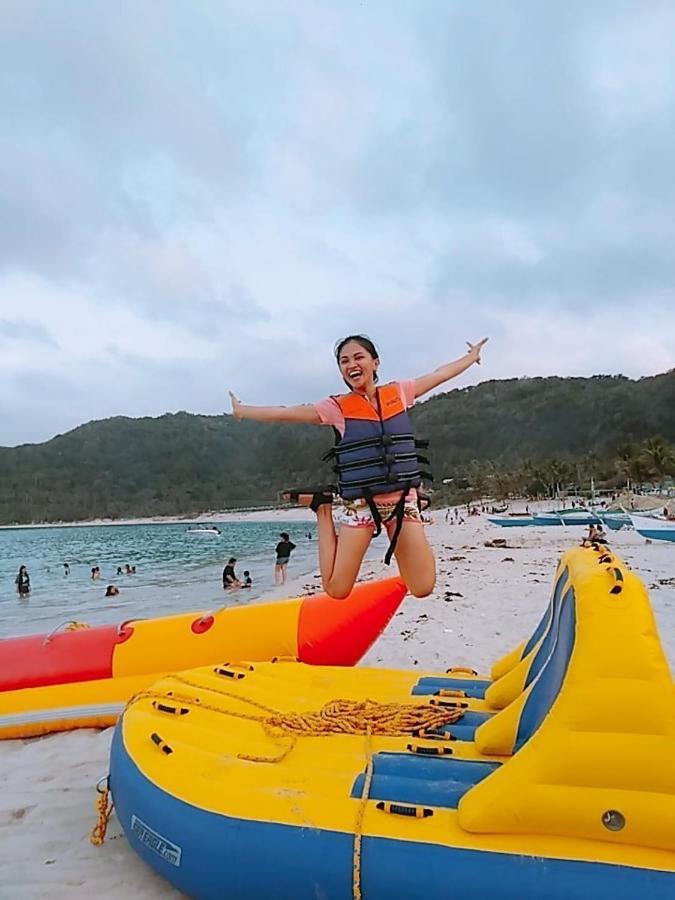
x: 513, y: 520
x: 576, y: 516
x: 654, y: 528
x: 614, y: 520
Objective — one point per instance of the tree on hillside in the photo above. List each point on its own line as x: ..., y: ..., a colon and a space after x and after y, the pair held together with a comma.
x: 658, y: 458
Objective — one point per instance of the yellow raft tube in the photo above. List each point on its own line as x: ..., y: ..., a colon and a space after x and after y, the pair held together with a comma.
x: 82, y: 677
x: 294, y: 782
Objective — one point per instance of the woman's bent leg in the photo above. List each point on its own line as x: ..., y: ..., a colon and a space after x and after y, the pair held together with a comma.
x: 415, y: 559
x: 340, y: 558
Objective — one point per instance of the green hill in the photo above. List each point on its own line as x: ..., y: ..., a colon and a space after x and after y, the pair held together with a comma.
x: 182, y: 463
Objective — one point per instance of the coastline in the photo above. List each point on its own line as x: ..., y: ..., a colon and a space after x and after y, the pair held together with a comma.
x: 487, y: 599
x: 289, y: 514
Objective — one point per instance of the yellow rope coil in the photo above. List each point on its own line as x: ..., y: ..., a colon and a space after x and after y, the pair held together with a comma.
x: 334, y: 717
x: 104, y: 808
x: 76, y: 626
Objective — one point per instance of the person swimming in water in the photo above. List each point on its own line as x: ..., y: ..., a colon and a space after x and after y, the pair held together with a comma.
x: 377, y: 464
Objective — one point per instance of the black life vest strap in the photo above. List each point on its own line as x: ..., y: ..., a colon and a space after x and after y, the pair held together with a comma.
x: 374, y: 511
x: 397, y: 516
x: 366, y: 483
x: 380, y: 441
x: 377, y: 461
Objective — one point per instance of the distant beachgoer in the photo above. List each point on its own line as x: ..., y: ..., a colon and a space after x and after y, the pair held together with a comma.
x: 127, y: 569
x: 66, y: 569
x: 309, y: 535
x: 447, y: 514
x: 133, y: 570
x: 112, y: 591
x: 22, y: 582
x: 247, y: 579
x: 230, y: 579
x: 596, y: 535
x: 283, y: 550
x: 95, y: 573
x: 378, y: 465
x: 119, y: 570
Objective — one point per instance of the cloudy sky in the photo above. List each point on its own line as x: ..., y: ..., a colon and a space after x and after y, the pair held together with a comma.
x: 203, y: 196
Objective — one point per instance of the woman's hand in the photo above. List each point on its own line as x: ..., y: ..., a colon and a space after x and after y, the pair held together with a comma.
x: 236, y: 407
x: 475, y: 350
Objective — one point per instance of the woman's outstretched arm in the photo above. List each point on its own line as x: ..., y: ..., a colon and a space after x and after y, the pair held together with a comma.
x: 426, y: 383
x: 305, y: 414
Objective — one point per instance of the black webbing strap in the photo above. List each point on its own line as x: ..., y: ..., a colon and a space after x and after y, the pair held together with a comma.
x: 374, y: 511
x: 397, y: 515
x: 380, y: 441
x: 377, y: 479
x: 379, y: 461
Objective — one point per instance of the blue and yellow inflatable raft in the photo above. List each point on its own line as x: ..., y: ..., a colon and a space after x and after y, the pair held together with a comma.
x: 552, y: 778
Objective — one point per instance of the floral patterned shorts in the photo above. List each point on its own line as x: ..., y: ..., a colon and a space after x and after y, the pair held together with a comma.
x: 357, y: 514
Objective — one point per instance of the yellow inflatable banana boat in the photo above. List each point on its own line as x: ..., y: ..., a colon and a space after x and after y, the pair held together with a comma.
x: 292, y: 782
x: 82, y: 677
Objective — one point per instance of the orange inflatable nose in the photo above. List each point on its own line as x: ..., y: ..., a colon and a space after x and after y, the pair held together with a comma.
x: 338, y: 632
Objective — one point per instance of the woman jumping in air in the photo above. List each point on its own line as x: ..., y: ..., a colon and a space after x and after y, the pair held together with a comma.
x: 377, y: 463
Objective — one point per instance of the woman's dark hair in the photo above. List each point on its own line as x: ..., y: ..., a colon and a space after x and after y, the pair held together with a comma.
x: 231, y: 560
x: 285, y: 536
x: 364, y: 342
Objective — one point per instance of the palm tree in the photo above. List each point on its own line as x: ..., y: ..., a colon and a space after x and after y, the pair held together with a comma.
x: 624, y: 463
x: 658, y: 457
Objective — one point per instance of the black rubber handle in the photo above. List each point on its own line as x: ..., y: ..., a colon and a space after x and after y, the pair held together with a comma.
x: 400, y: 809
x: 174, y: 710
x: 228, y: 673
x: 161, y: 743
x: 429, y: 751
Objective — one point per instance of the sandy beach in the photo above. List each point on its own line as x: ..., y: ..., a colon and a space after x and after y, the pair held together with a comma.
x: 486, y: 600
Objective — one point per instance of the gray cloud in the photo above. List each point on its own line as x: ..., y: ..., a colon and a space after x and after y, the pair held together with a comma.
x: 257, y: 183
x: 20, y: 331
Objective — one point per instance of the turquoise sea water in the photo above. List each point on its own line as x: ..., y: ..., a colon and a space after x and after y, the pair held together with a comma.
x: 175, y: 571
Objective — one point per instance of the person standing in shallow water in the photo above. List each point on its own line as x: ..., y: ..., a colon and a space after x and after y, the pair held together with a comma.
x: 283, y: 550
x: 378, y: 481
x: 22, y: 582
